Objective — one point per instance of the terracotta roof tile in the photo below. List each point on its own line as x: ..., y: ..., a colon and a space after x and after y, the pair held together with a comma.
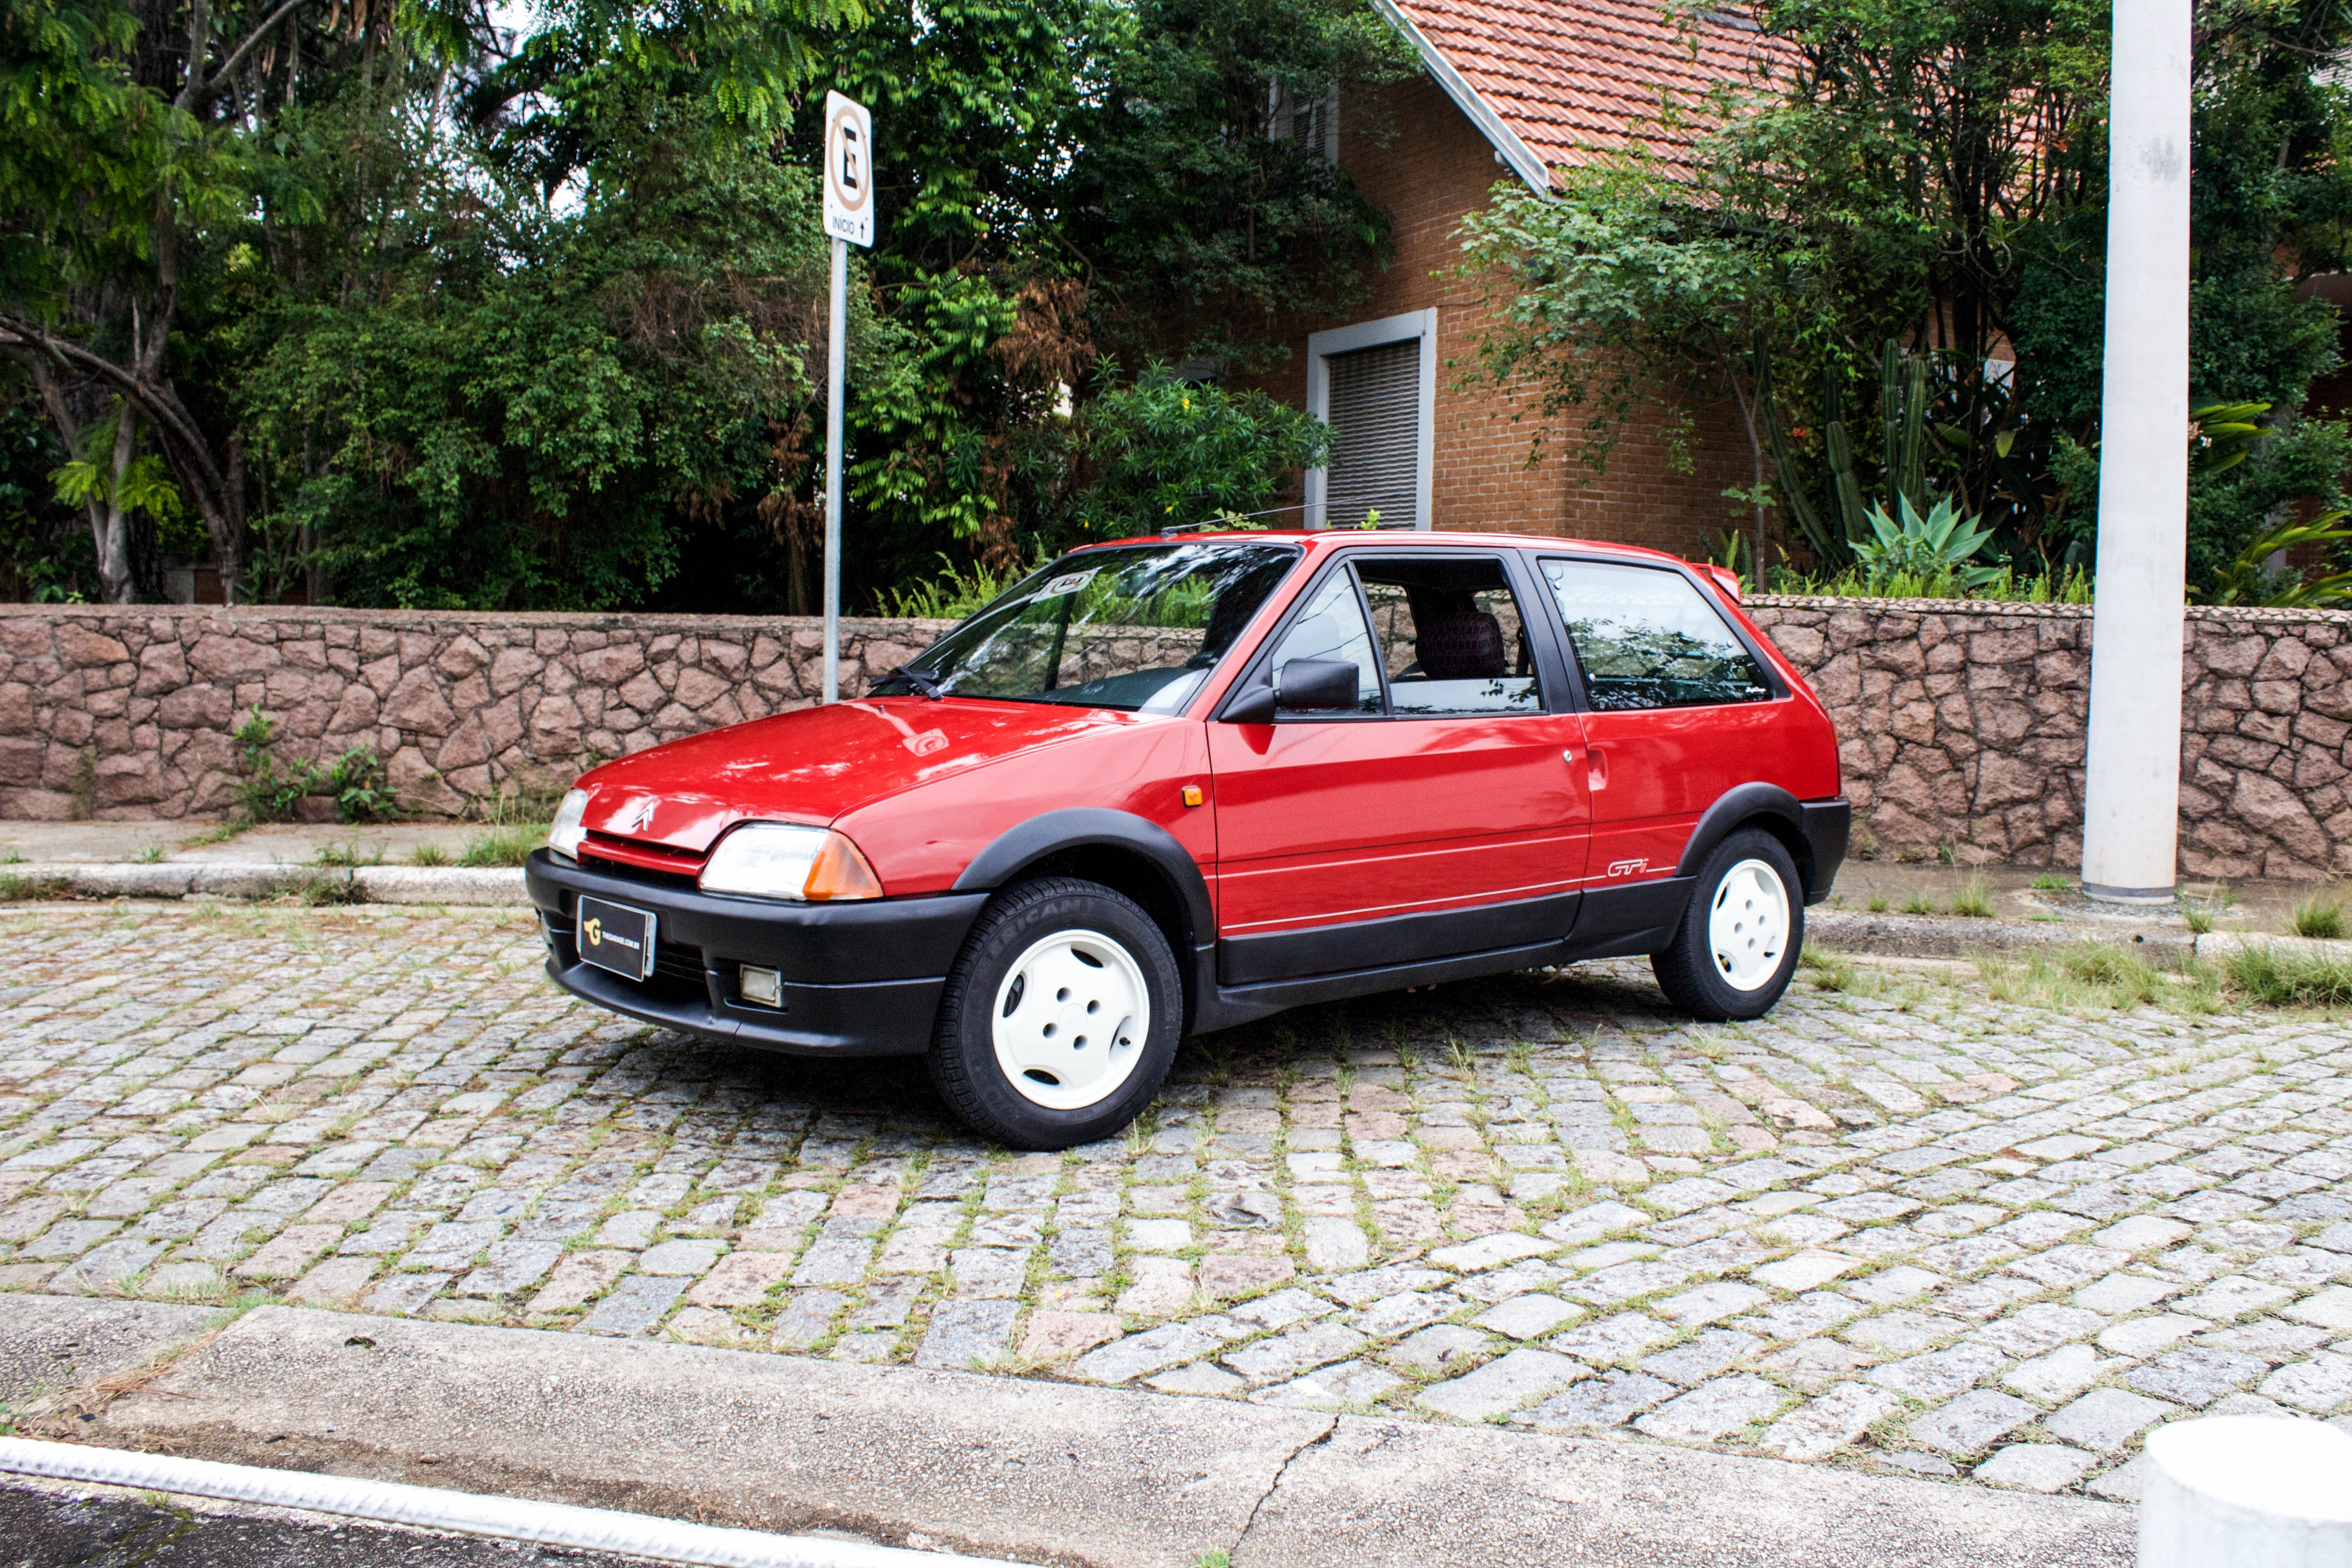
x: 1578, y: 80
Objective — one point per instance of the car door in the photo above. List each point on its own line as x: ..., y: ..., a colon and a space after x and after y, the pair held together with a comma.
x: 1678, y: 709
x: 1439, y: 815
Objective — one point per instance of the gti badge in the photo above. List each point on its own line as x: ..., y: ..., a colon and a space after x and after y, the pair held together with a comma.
x: 1628, y: 867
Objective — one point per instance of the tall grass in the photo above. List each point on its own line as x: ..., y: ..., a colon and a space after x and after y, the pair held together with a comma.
x: 504, y: 845
x: 2278, y: 978
x: 2319, y: 917
x: 2107, y: 977
x: 2101, y: 977
x: 1974, y: 898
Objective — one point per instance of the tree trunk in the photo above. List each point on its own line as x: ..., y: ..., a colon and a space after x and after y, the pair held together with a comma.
x: 110, y: 525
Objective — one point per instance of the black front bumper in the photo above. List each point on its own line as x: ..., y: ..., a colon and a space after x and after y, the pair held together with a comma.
x: 860, y: 979
x: 1828, y: 826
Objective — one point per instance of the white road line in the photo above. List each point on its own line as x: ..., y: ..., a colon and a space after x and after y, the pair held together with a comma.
x: 464, y: 1513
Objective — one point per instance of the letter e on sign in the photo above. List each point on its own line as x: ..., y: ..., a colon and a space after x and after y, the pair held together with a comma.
x: 848, y: 171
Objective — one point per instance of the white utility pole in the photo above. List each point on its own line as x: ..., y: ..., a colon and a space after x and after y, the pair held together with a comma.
x: 2230, y: 1491
x: 849, y: 219
x: 2131, y: 809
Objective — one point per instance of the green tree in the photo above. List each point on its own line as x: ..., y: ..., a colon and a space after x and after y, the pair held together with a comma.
x: 1166, y: 451
x: 1935, y: 175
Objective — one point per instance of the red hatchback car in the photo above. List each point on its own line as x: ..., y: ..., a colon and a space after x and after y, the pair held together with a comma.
x: 1168, y: 786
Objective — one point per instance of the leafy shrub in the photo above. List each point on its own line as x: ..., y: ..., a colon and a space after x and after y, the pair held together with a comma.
x: 269, y: 794
x: 1168, y: 451
x: 2251, y: 580
x: 272, y: 790
x: 361, y: 791
x: 952, y: 595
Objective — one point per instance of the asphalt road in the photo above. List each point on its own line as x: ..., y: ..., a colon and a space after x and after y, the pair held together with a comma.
x: 42, y: 1529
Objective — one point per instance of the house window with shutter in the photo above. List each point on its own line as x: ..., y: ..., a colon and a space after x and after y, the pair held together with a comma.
x: 1310, y: 124
x: 1375, y: 384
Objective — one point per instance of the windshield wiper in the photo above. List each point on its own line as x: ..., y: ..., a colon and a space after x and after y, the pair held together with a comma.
x: 926, y: 684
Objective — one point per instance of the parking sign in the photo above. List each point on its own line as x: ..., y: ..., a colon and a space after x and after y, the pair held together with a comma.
x: 848, y: 171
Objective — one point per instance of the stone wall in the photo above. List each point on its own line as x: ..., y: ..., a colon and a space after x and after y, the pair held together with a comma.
x: 1961, y: 727
x: 126, y: 714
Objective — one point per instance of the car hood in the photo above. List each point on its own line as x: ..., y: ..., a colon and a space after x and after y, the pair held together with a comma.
x: 815, y: 763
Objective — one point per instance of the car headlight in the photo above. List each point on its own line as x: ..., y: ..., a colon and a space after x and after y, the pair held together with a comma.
x: 787, y: 860
x: 564, y: 834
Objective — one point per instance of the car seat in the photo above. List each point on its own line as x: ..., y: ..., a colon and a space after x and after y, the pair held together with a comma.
x: 1464, y: 644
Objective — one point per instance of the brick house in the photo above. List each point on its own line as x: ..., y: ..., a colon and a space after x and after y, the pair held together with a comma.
x: 1509, y: 90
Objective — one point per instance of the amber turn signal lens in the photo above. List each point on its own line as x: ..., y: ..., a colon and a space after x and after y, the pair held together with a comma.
x: 840, y: 873
x: 1194, y: 794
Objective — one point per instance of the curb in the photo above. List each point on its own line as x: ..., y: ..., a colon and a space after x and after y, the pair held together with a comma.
x: 2222, y: 944
x: 1956, y: 936
x: 497, y: 886
x: 994, y: 1467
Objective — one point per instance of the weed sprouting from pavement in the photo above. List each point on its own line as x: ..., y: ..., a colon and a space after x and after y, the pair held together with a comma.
x: 2278, y: 978
x: 1974, y: 898
x: 2320, y: 918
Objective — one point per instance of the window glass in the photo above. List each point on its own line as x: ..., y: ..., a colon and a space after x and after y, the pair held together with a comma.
x: 1644, y: 638
x: 1451, y: 637
x: 1138, y: 628
x: 1332, y: 626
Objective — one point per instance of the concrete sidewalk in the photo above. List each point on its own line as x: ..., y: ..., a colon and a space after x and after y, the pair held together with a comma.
x: 1037, y: 1472
x: 377, y: 863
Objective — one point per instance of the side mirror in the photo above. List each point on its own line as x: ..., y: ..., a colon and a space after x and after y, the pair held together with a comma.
x: 1255, y: 706
x: 1316, y: 685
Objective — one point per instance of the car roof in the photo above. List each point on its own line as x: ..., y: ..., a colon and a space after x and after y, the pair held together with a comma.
x: 1329, y: 538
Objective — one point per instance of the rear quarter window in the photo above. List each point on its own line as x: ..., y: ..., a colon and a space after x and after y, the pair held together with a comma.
x: 1646, y: 638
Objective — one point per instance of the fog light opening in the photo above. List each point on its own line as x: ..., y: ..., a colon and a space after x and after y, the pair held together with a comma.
x: 762, y: 987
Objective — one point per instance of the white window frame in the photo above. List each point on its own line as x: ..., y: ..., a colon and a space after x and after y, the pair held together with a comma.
x: 1321, y: 346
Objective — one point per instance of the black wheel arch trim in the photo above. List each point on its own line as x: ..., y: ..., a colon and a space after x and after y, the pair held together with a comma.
x: 1817, y: 852
x: 1094, y: 826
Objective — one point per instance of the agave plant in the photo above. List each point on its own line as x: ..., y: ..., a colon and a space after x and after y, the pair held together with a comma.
x: 1938, y: 545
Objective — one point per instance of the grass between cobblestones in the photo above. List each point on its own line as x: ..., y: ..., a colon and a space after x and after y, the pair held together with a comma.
x: 1994, y: 1223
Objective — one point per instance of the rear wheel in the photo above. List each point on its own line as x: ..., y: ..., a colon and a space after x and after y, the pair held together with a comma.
x: 1060, y: 1017
x: 1738, y: 941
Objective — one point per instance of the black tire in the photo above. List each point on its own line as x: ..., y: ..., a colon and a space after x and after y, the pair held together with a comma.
x: 964, y: 1060
x: 1692, y: 974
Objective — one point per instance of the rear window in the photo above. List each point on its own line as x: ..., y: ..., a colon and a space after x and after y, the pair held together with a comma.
x: 1138, y: 628
x: 1644, y: 638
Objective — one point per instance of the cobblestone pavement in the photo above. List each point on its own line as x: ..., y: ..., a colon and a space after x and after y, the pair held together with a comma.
x: 1923, y: 1228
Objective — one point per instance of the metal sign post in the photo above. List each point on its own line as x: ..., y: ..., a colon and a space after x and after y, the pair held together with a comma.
x: 849, y: 219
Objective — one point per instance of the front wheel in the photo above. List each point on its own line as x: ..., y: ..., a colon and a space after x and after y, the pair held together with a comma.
x: 1060, y: 1017
x: 1738, y: 941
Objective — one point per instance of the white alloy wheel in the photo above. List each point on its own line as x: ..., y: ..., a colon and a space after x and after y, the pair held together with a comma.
x: 1070, y: 1020
x: 1747, y: 925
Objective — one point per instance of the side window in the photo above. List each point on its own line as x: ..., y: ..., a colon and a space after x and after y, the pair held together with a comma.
x: 1332, y: 626
x: 1451, y: 637
x: 1646, y: 638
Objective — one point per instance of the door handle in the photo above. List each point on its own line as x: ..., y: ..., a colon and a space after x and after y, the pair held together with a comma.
x: 1596, y: 767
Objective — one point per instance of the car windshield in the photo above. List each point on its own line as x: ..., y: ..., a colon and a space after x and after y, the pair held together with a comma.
x: 1135, y: 628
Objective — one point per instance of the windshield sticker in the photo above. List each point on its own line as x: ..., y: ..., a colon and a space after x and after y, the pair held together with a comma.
x: 1069, y: 583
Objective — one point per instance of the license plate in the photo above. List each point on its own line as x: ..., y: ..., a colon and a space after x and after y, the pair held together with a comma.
x: 617, y: 938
